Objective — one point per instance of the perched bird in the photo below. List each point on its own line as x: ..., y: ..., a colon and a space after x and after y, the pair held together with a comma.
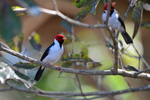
x: 115, y: 21
x: 51, y: 54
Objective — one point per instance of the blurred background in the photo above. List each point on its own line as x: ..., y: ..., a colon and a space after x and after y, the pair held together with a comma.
x: 48, y: 26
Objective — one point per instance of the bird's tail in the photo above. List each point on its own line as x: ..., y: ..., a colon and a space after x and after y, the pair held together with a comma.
x: 39, y: 73
x: 126, y: 37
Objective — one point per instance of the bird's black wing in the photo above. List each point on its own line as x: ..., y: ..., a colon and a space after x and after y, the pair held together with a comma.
x: 122, y: 23
x: 41, y: 69
x: 46, y: 51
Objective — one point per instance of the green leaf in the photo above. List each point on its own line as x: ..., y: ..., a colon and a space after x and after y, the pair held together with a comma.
x: 130, y: 68
x: 93, y: 3
x: 7, y: 72
x: 84, y: 51
x: 35, y: 41
x: 79, y: 60
x: 83, y: 13
x: 137, y: 16
x: 28, y: 66
x: 67, y: 26
x: 22, y: 76
x: 81, y: 3
x: 20, y: 41
x: 74, y: 58
x: 10, y: 24
x: 146, y: 25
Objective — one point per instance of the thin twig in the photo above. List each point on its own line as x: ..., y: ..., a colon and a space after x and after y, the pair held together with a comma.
x: 129, y: 7
x: 55, y: 5
x: 145, y: 63
x: 128, y: 83
x: 142, y: 71
x: 104, y: 2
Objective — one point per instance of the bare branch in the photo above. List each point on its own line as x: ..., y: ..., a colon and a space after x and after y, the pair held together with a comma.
x: 51, y: 12
x: 70, y: 94
x: 58, y: 13
x: 115, y: 43
x: 145, y: 63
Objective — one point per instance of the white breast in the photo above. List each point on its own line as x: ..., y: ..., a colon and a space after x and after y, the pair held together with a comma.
x: 55, y: 53
x: 113, y: 20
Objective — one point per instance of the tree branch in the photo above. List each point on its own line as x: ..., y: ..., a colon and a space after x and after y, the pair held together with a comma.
x: 69, y: 94
x: 61, y: 15
x: 58, y: 13
x: 77, y: 71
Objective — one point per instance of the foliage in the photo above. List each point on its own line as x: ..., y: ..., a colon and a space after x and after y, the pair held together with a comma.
x: 10, y: 24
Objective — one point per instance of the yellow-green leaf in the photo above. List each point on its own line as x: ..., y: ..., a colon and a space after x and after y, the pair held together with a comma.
x: 130, y: 68
x: 146, y: 25
x: 84, y: 51
x: 28, y: 66
x: 20, y: 41
x: 80, y: 60
x: 81, y: 3
x: 35, y: 41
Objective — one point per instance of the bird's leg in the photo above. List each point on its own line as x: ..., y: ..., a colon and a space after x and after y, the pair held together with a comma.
x: 54, y: 64
x: 58, y: 65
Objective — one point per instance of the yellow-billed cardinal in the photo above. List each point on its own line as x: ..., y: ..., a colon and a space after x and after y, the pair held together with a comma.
x: 51, y: 54
x: 115, y: 21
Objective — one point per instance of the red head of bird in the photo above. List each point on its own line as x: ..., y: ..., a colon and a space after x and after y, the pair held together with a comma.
x: 60, y: 38
x: 112, y: 6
